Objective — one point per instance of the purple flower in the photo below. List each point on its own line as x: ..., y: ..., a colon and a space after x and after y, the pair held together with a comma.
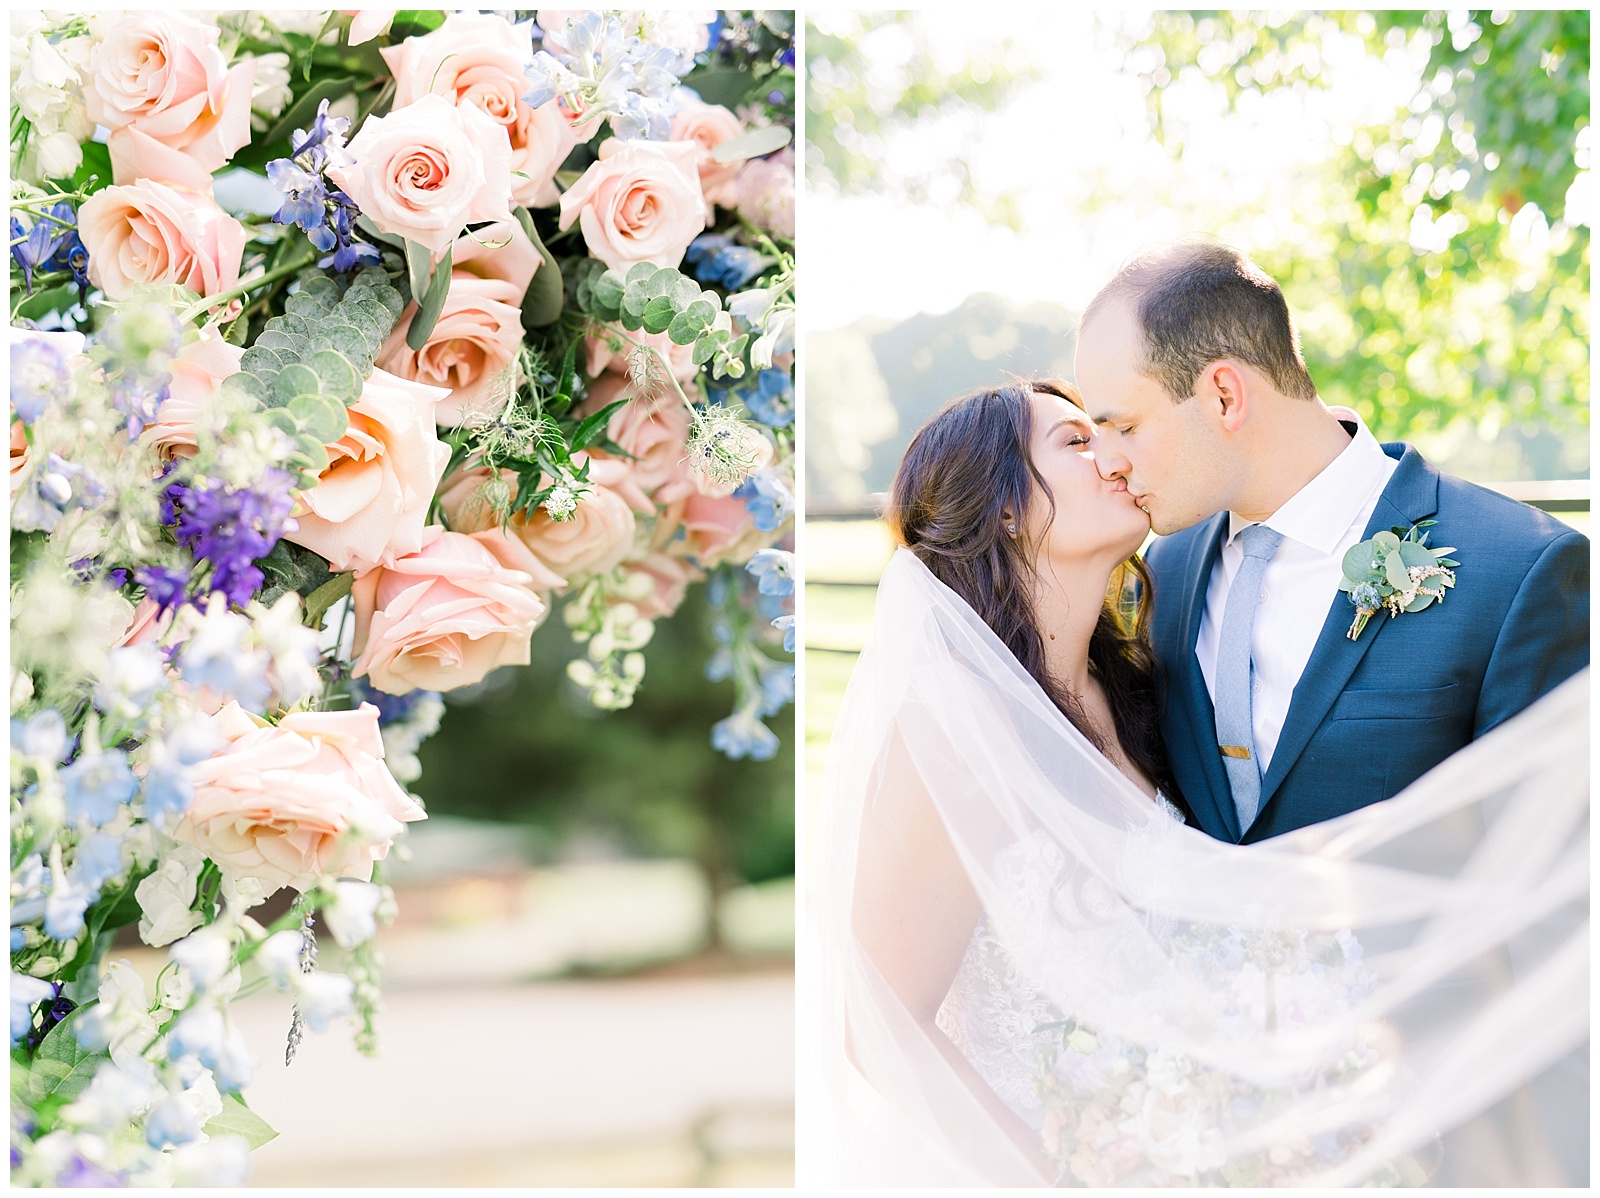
x: 38, y: 374
x: 80, y: 1174
x: 164, y: 585
x: 138, y: 398
x: 38, y: 244
x: 231, y: 528
x: 305, y: 196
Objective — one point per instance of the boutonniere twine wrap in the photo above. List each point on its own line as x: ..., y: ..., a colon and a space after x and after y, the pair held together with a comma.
x: 1395, y: 570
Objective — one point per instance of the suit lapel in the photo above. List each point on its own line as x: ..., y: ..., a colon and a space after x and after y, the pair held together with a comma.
x: 1194, y: 699
x: 1412, y: 494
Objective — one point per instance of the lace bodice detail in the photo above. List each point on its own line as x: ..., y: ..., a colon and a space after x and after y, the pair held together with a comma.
x: 993, y: 1010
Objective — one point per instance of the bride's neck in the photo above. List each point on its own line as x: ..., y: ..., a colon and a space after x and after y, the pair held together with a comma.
x: 1067, y: 603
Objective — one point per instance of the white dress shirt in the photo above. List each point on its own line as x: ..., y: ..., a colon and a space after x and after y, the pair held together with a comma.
x: 1319, y: 523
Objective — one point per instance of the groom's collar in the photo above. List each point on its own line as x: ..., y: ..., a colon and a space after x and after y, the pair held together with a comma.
x: 1321, y: 512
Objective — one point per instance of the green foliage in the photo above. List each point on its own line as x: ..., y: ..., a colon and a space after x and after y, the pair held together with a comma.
x: 62, y: 1068
x: 430, y: 284
x: 870, y: 75
x: 660, y: 299
x: 1430, y: 300
x: 541, y: 305
x: 290, y: 567
x: 310, y: 363
x: 236, y: 1119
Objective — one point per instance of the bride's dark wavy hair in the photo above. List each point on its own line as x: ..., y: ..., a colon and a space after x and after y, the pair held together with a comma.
x: 964, y: 468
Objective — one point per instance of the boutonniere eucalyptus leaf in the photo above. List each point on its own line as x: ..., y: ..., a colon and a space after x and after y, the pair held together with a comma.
x: 1396, y: 570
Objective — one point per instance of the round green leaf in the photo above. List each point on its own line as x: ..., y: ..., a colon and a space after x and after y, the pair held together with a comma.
x: 321, y: 416
x: 685, y: 291
x: 1414, y: 555
x: 1386, y: 540
x: 640, y: 272
x: 1357, y: 562
x: 1394, y: 568
x: 658, y: 314
x: 296, y: 379
x: 338, y: 377
x: 1420, y: 602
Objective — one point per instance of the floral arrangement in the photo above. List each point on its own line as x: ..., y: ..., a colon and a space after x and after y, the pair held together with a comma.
x: 344, y: 348
x: 1393, y: 571
x: 1115, y: 1111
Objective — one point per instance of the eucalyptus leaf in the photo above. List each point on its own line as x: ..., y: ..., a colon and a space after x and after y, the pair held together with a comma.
x: 640, y: 272
x: 1357, y: 562
x: 1394, y: 568
x: 427, y: 314
x: 263, y: 362
x: 1386, y: 540
x: 1417, y: 604
x: 658, y: 314
x: 757, y: 143
x: 245, y: 386
x: 278, y: 342
x: 321, y: 416
x: 542, y: 302
x: 685, y: 328
x: 337, y: 376
x: 1415, y: 556
x: 608, y: 291
x: 419, y: 269
x: 236, y: 1119
x: 685, y: 292
x: 295, y: 379
x: 321, y: 288
x: 662, y: 282
x: 307, y: 306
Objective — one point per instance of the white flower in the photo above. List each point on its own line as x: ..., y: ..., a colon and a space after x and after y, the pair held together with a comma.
x: 294, y: 648
x: 352, y: 914
x: 166, y: 895
x: 323, y: 997
x: 271, y: 91
x: 56, y: 155
x: 117, y: 1093
x: 206, y: 954
x: 279, y: 956
x: 132, y: 675
x: 220, y: 1161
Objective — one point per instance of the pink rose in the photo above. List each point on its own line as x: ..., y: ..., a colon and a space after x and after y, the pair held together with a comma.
x: 597, y: 536
x: 478, y: 60
x: 766, y: 192
x: 466, y: 507
x: 498, y: 251
x: 136, y: 155
x: 19, y: 454
x: 147, y: 232
x: 294, y: 804
x: 427, y: 170
x: 607, y: 350
x: 641, y: 202
x: 718, y: 529
x: 708, y: 126
x: 197, y: 374
x: 669, y: 582
x: 160, y: 73
x: 441, y: 617
x: 369, y: 505
x: 653, y: 433
x: 472, y: 350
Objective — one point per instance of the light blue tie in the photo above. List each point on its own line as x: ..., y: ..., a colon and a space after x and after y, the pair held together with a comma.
x: 1236, y: 738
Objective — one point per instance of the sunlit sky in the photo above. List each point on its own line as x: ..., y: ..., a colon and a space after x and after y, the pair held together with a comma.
x: 1079, y: 134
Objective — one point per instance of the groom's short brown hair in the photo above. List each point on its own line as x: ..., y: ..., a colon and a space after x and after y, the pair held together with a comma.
x: 1197, y: 302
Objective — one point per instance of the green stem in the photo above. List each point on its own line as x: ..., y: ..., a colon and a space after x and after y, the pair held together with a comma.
x: 272, y: 276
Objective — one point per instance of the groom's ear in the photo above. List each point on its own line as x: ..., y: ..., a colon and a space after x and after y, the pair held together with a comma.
x: 1228, y: 390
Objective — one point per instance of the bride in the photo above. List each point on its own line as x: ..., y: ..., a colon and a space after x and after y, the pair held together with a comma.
x: 1035, y: 973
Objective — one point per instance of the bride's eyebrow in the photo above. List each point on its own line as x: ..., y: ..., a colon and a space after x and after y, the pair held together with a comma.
x: 1083, y: 424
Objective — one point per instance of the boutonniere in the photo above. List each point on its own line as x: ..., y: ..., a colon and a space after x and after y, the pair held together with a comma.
x: 1395, y: 570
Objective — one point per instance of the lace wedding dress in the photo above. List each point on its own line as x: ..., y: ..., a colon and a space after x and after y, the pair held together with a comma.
x: 1153, y: 1007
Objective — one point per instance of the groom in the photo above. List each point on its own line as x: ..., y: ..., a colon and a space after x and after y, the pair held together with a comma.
x: 1190, y: 368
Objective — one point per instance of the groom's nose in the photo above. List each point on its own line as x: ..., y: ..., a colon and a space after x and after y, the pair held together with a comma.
x: 1110, y: 461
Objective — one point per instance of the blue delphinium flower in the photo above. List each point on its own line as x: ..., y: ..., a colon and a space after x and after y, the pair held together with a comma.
x: 170, y: 1122
x: 719, y: 262
x: 771, y: 400
x: 773, y: 570
x: 50, y: 490
x: 37, y: 245
x: 96, y: 785
x: 43, y: 736
x: 163, y: 584
x: 26, y: 994
x: 305, y: 195
x: 777, y: 687
x: 786, y: 625
x: 97, y: 860
x: 231, y: 528
x: 594, y: 62
x: 38, y: 375
x: 64, y: 908
x: 742, y: 734
x: 137, y: 398
x: 348, y: 254
x: 766, y: 494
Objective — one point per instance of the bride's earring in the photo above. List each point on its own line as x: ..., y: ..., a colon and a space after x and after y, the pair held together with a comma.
x: 1012, y: 529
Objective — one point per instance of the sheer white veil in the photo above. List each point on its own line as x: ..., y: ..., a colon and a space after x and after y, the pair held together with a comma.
x: 1323, y: 1008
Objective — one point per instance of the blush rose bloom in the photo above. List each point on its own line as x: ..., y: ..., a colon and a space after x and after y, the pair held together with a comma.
x: 471, y: 352
x: 605, y: 350
x: 370, y: 504
x: 147, y: 232
x: 197, y: 374
x: 598, y: 535
x: 708, y: 126
x: 641, y: 202
x: 655, y: 434
x: 717, y: 529
x: 478, y: 59
x: 765, y: 192
x: 669, y: 582
x: 499, y: 251
x: 293, y: 804
x: 462, y: 501
x: 441, y: 617
x: 161, y: 73
x: 427, y: 170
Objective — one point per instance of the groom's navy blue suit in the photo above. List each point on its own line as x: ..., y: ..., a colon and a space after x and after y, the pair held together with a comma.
x: 1370, y: 716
